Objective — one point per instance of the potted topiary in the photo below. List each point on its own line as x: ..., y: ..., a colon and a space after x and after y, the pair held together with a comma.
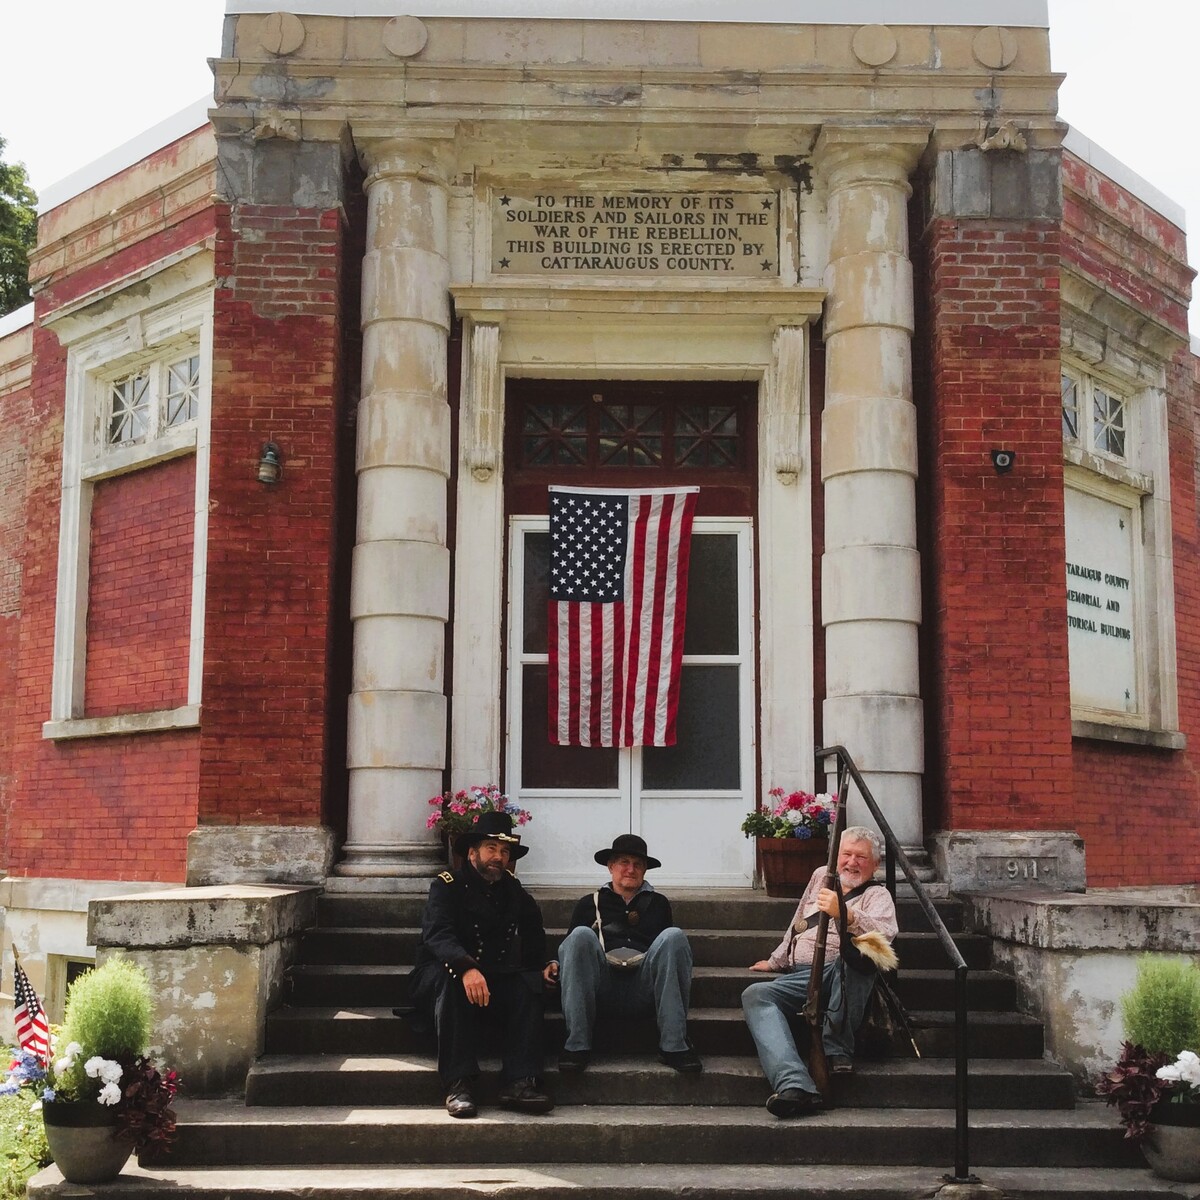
x: 108, y: 1099
x: 1155, y: 1082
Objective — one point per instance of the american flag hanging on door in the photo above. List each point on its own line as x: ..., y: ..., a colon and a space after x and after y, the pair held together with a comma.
x: 618, y: 597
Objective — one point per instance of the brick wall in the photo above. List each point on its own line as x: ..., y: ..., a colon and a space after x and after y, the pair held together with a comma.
x: 14, y: 429
x: 100, y: 808
x: 994, y: 636
x: 140, y: 590
x: 277, y: 340
x: 1136, y: 255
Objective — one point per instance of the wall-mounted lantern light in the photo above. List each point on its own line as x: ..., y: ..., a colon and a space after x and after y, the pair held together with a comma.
x: 270, y: 464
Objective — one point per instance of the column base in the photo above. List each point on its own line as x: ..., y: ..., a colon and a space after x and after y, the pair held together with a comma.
x: 418, y: 862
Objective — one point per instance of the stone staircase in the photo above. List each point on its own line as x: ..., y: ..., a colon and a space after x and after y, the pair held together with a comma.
x: 347, y: 1102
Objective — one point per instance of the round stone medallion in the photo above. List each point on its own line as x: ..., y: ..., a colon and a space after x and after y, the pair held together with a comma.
x: 874, y: 45
x: 282, y: 33
x: 405, y: 36
x: 994, y: 48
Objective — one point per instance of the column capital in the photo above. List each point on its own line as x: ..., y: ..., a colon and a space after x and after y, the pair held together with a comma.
x: 887, y: 154
x: 425, y: 153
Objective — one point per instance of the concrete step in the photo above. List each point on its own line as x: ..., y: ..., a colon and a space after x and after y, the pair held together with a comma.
x: 728, y: 908
x: 710, y: 947
x: 726, y: 1081
x: 367, y: 1029
x: 228, y: 1133
x: 549, y: 1181
x: 712, y: 987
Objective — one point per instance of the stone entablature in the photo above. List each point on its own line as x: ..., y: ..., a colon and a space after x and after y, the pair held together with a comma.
x: 167, y: 187
x: 751, y: 89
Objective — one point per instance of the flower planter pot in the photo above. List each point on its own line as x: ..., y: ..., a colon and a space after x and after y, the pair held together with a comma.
x: 82, y: 1142
x: 1173, y: 1147
x: 787, y: 864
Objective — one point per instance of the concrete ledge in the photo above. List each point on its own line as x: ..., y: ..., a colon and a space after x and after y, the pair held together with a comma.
x: 1140, y: 920
x: 1075, y: 956
x: 233, y: 915
x: 1157, y: 739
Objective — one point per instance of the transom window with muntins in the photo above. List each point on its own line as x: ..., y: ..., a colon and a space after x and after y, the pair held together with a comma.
x: 631, y: 433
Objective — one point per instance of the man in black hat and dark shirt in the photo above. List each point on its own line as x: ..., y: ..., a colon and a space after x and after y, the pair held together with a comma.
x: 480, y: 968
x: 626, y: 918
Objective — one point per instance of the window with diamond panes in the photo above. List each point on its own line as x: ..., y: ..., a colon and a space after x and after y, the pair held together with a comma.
x: 1070, y: 409
x: 604, y: 431
x: 129, y: 409
x: 183, y: 391
x: 143, y: 405
x: 1108, y: 423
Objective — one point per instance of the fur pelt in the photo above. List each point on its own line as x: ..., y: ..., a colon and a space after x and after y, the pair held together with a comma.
x: 878, y: 949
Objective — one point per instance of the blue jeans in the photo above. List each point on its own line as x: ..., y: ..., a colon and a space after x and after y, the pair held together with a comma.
x: 662, y: 984
x: 768, y: 1005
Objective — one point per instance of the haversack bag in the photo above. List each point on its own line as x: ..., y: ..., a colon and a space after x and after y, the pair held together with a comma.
x: 623, y: 958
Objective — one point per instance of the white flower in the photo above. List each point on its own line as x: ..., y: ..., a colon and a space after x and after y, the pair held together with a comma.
x: 63, y: 1066
x: 793, y: 816
x: 73, y: 1050
x: 1185, y: 1069
x: 109, y: 1094
x: 104, y: 1069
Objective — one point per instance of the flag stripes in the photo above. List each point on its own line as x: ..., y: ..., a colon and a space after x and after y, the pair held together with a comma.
x: 618, y: 599
x: 33, y: 1030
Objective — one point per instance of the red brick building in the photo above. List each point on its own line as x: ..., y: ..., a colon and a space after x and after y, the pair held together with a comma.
x: 928, y: 364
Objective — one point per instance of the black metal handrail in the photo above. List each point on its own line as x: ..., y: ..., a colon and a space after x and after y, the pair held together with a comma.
x: 894, y: 853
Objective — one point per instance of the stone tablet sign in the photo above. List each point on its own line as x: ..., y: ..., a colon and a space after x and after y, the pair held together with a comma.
x: 1101, y: 626
x: 677, y: 235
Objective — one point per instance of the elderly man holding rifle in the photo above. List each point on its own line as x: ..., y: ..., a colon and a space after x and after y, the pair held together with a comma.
x: 843, y: 929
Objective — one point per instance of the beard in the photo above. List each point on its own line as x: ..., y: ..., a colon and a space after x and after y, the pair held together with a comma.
x: 491, y: 872
x: 852, y: 876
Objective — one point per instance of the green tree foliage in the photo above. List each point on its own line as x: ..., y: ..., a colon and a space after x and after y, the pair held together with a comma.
x: 18, y: 231
x: 1162, y: 1009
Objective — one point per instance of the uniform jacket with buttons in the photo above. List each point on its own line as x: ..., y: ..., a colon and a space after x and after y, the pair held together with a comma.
x: 469, y: 923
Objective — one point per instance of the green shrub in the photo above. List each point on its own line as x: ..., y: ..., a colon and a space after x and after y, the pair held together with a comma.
x: 1162, y: 1009
x: 109, y: 1014
x: 23, y: 1149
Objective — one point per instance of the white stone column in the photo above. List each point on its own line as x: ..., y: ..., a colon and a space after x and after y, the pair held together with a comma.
x: 870, y: 577
x: 400, y: 584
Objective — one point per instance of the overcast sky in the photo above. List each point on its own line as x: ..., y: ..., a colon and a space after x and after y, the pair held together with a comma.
x: 82, y: 76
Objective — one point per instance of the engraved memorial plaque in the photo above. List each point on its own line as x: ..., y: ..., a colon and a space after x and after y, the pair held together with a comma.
x: 673, y: 235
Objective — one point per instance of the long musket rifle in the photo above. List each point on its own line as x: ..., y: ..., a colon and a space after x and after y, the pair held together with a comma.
x: 814, y: 1007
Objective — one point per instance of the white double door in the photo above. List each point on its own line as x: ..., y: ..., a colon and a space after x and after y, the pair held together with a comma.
x: 686, y: 800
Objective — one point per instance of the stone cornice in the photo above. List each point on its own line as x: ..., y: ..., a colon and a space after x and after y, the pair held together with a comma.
x: 1113, y: 324
x: 98, y: 232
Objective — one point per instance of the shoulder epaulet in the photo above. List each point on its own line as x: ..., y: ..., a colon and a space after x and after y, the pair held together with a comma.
x: 446, y: 877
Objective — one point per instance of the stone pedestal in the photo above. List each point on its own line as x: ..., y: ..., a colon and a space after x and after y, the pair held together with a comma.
x: 216, y: 957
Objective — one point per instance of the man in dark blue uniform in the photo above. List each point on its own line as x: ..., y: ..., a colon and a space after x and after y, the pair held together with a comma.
x: 481, y: 966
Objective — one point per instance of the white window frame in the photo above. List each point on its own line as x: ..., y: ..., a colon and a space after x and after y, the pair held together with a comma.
x: 108, y: 333
x: 1140, y: 481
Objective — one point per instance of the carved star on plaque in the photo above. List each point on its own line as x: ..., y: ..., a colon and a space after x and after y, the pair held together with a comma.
x: 504, y: 262
x: 767, y: 264
x: 505, y: 201
x: 766, y: 202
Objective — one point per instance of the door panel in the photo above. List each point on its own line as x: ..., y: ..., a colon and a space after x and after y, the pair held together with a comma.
x: 687, y: 800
